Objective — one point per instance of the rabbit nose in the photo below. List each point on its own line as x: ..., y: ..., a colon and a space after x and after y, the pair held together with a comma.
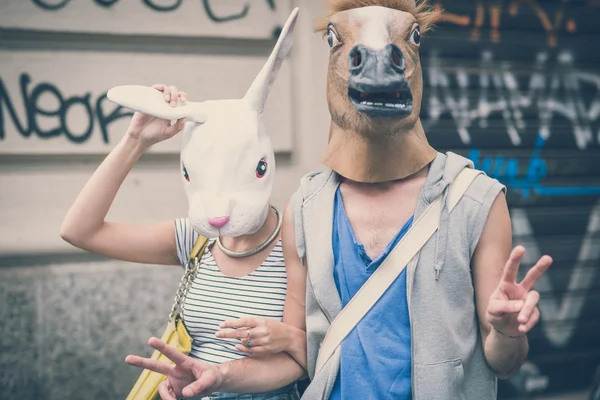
x: 218, y: 222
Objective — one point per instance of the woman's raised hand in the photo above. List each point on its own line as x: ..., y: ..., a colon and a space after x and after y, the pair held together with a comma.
x: 150, y: 130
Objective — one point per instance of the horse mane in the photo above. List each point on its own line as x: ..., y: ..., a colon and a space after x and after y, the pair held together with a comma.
x: 424, y: 13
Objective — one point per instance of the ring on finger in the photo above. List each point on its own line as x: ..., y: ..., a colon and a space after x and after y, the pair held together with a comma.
x: 249, y: 343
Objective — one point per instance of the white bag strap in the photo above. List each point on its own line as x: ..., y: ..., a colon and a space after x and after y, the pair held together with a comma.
x: 412, y: 242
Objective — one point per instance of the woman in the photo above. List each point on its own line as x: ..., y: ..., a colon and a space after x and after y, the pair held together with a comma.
x: 230, y: 290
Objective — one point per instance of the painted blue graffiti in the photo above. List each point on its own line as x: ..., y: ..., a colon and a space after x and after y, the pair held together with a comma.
x: 506, y: 170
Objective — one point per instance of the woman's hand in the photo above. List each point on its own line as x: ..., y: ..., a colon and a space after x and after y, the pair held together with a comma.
x: 186, y: 376
x: 266, y: 335
x: 150, y: 130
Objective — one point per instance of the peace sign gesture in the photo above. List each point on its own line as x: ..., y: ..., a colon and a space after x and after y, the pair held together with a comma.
x: 512, y: 309
x: 187, y: 377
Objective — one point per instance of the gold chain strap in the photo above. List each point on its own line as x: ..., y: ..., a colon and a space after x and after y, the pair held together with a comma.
x: 184, y: 287
x: 188, y: 277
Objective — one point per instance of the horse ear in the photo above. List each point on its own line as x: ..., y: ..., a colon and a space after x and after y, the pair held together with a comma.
x: 259, y: 91
x: 150, y: 101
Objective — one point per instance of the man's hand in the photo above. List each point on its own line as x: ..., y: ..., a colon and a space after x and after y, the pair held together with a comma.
x: 187, y: 377
x: 512, y: 310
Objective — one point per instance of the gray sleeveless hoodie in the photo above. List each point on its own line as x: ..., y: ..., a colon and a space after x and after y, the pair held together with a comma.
x: 448, y: 362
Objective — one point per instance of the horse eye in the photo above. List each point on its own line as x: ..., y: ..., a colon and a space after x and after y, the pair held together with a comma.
x: 332, y: 37
x: 261, y: 168
x: 185, y: 174
x: 415, y: 36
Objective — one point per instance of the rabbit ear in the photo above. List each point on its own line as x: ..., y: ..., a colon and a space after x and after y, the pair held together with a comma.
x: 259, y: 91
x: 150, y: 101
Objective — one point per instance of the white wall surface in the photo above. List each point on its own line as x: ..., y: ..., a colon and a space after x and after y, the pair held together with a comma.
x: 148, y: 17
x: 40, y: 178
x: 71, y: 85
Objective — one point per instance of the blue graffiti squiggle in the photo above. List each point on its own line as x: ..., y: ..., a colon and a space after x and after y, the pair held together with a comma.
x: 507, y: 171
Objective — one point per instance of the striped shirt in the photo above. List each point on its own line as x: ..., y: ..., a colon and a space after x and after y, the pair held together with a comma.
x: 215, y: 297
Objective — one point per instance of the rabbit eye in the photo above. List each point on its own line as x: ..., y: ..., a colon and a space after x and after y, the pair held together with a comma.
x: 261, y: 168
x: 185, y: 174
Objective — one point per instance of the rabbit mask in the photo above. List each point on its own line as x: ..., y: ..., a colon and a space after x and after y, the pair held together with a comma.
x: 227, y: 159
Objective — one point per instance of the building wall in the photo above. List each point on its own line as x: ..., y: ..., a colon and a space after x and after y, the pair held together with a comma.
x: 511, y: 84
x: 68, y: 318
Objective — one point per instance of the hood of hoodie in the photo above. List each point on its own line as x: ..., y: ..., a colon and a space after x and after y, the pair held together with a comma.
x: 443, y: 170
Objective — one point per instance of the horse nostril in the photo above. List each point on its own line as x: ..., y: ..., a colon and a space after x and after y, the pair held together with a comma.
x: 218, y: 222
x: 356, y: 59
x: 397, y: 57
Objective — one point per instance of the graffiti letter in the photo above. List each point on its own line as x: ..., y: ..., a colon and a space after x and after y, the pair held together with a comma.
x: 104, y: 120
x: 34, y: 109
x: 215, y: 18
x: 105, y: 3
x: 85, y: 101
x: 4, y: 97
x: 495, y: 12
x: 542, y: 16
x: 462, y: 20
x: 50, y: 7
x: 567, y: 311
x: 156, y: 7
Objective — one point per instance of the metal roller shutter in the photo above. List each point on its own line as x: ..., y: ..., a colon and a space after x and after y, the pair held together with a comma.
x: 515, y: 86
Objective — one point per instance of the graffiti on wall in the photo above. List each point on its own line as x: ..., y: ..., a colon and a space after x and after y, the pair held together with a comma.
x: 565, y: 311
x: 161, y: 6
x: 555, y: 19
x: 523, y: 113
x: 558, y: 316
x: 553, y: 98
x: 549, y: 95
x: 95, y: 111
x: 551, y: 92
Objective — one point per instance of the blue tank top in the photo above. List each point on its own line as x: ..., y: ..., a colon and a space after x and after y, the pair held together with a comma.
x: 376, y: 356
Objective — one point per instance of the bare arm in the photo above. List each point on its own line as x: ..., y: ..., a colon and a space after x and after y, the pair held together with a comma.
x: 189, y: 377
x: 269, y: 335
x: 84, y: 225
x: 505, y: 355
x: 507, y: 310
x: 294, y: 313
x: 255, y: 374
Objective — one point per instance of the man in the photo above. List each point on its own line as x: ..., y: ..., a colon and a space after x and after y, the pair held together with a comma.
x: 455, y: 318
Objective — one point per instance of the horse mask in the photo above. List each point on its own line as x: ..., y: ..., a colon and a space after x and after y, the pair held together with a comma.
x: 374, y: 88
x: 227, y: 159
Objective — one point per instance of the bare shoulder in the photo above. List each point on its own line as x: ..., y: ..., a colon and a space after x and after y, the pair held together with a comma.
x: 495, y: 243
x: 497, y: 229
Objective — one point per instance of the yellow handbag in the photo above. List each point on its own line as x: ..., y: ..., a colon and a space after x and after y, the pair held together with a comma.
x: 176, y: 334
